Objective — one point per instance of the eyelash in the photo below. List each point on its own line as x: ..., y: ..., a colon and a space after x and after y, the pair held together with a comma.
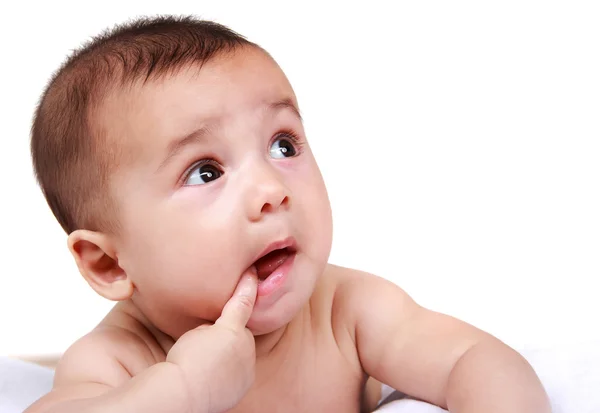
x: 298, y: 143
x: 195, y: 165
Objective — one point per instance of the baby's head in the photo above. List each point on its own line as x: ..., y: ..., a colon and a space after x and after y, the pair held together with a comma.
x: 173, y: 154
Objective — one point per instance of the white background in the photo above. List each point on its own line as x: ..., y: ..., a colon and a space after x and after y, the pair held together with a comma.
x: 460, y: 142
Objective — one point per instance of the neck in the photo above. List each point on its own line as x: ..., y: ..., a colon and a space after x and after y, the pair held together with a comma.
x: 279, y: 340
x: 267, y: 343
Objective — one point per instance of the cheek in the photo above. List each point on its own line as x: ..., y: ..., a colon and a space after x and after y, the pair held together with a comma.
x: 313, y: 201
x: 182, y: 257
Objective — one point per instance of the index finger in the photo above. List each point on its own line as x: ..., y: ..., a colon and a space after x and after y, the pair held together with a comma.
x: 238, y: 309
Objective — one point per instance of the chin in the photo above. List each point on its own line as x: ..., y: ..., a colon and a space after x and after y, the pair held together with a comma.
x: 277, y: 316
x: 261, y: 332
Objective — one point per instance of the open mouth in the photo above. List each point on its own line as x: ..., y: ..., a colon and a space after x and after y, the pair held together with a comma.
x: 269, y: 262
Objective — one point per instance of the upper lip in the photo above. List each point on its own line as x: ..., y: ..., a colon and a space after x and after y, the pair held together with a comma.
x: 288, y: 242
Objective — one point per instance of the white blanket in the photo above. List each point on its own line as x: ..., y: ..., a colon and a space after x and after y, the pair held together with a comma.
x: 571, y: 375
x: 21, y: 384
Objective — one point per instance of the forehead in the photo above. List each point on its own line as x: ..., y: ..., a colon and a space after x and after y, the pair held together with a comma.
x: 143, y: 116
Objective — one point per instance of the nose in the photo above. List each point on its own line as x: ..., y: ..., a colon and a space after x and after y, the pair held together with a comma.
x: 266, y: 194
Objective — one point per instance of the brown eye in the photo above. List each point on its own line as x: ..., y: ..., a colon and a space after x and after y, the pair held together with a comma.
x: 282, y: 148
x: 203, y: 174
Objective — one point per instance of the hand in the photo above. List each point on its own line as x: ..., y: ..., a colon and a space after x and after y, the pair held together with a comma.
x: 218, y: 360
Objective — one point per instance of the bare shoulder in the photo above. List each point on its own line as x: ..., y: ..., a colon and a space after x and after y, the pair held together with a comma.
x: 119, y: 348
x: 348, y: 278
x: 367, y: 305
x: 110, y: 355
x: 362, y: 298
x: 362, y: 294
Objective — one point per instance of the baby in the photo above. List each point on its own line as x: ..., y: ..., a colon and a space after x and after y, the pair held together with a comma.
x: 172, y: 152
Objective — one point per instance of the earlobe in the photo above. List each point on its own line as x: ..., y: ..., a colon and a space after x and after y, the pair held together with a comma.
x: 97, y: 262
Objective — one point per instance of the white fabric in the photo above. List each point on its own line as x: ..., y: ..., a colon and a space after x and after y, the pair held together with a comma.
x: 21, y: 384
x: 410, y: 406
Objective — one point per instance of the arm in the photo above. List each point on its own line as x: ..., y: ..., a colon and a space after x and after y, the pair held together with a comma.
x: 208, y: 370
x: 92, y: 376
x: 160, y: 388
x: 438, y: 358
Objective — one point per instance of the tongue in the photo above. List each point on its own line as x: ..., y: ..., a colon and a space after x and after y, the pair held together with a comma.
x: 269, y: 263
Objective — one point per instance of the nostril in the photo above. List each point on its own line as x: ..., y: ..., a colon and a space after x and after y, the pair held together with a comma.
x: 268, y: 207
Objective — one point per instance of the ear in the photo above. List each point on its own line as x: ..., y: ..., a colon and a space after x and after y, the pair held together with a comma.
x: 97, y: 261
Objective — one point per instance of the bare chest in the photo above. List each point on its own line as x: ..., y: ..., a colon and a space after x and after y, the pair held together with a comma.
x: 316, y: 380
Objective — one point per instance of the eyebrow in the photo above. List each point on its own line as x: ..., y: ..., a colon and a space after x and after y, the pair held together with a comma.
x: 196, y: 137
x: 200, y: 135
x: 286, y: 103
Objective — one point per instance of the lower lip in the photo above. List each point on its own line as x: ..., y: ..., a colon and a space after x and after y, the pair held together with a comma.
x: 277, y: 278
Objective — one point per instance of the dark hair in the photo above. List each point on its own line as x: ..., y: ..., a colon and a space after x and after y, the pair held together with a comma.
x: 72, y: 160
